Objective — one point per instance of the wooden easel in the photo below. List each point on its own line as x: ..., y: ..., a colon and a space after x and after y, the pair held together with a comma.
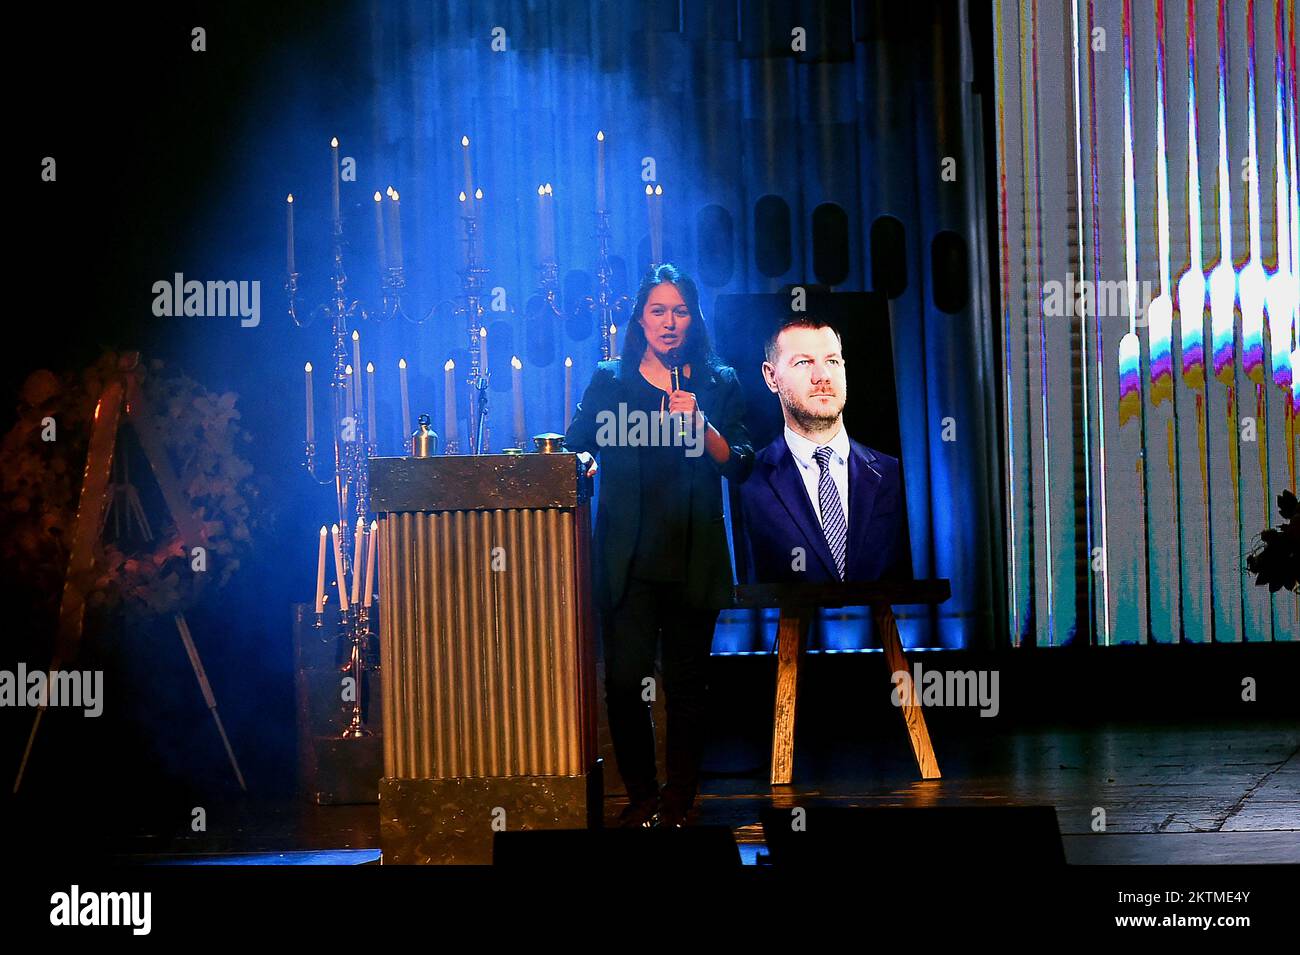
x: 798, y: 603
x: 124, y: 389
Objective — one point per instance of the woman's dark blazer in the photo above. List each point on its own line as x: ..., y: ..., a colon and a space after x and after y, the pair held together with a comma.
x: 708, y: 571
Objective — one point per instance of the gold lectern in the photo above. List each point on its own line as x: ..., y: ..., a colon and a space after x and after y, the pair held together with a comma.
x: 487, y: 651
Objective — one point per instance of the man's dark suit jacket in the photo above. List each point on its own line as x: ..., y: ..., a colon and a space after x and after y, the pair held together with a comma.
x: 709, y: 575
x: 778, y: 517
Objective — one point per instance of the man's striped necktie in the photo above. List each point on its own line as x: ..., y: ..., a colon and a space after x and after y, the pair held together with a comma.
x: 834, y: 526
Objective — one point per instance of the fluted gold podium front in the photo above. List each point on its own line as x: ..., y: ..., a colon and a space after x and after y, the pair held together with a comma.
x: 486, y: 644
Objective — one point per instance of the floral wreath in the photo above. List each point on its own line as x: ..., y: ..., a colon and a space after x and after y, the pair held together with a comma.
x: 40, y: 488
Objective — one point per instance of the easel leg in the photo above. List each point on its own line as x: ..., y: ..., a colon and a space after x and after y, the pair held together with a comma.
x: 91, y: 514
x: 790, y: 635
x: 913, y: 716
x: 208, y: 697
x: 31, y: 741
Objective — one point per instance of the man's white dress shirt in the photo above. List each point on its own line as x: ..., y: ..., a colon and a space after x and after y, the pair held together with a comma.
x: 802, y: 450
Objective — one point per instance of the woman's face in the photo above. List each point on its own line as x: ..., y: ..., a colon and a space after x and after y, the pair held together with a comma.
x: 665, y: 319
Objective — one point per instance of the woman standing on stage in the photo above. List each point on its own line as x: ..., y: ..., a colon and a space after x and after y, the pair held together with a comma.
x: 662, y: 565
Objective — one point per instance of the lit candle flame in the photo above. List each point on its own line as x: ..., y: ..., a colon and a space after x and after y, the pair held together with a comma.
x: 515, y: 363
x: 450, y: 365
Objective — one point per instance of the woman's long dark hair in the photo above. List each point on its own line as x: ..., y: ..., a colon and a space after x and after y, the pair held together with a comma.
x: 697, y: 351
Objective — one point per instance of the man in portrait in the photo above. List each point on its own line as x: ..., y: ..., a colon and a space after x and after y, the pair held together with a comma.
x: 819, y: 506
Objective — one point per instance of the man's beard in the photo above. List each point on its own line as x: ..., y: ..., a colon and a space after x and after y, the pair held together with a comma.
x: 812, y: 418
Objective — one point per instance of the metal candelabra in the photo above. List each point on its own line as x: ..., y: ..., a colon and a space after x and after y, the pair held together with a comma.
x: 605, y: 303
x: 352, y: 447
x: 473, y: 283
x: 548, y: 286
x: 392, y: 283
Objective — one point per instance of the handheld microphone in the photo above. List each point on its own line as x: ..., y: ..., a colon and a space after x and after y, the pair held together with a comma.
x: 677, y: 386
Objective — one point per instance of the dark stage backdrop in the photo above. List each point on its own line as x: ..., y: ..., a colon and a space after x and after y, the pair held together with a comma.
x: 832, y: 143
x: 836, y: 144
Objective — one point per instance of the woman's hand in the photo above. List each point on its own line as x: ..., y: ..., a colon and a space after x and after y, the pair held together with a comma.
x: 586, y: 458
x: 684, y: 403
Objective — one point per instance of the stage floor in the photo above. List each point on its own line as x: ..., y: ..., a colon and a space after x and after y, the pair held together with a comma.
x: 1209, y: 792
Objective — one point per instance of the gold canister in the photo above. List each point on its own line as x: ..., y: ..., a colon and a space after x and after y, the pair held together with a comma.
x: 424, y: 441
x: 549, y: 443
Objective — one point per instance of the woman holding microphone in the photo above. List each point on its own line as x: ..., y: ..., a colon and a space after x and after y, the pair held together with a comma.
x: 662, y: 568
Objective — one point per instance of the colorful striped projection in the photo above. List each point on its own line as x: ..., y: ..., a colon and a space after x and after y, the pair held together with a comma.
x: 1295, y: 408
x: 1192, y: 291
x: 1130, y: 378
x: 1160, y: 317
x: 1180, y: 177
x: 1249, y: 291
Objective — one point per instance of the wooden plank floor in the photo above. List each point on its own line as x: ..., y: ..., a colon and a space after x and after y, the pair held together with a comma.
x: 1206, y: 792
x: 1233, y: 790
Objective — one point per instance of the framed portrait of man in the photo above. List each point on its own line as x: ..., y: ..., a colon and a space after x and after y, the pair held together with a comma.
x: 826, y: 501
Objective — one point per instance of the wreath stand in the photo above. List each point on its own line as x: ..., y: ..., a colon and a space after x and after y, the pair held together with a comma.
x: 124, y: 389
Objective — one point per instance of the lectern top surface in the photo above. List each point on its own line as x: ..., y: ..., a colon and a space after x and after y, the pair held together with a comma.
x: 455, y: 482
